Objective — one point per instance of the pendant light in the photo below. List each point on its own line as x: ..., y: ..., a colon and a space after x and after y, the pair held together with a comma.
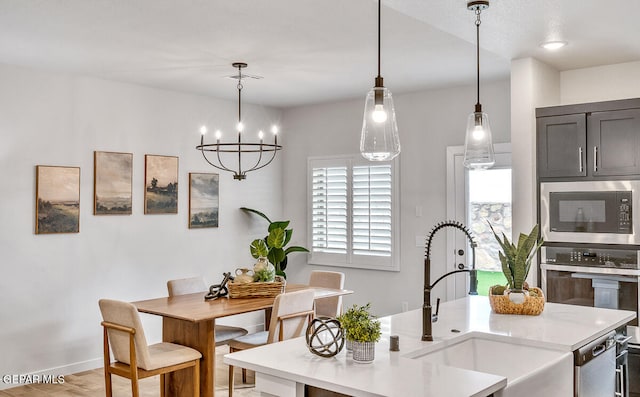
x: 478, y: 147
x: 260, y: 154
x: 379, y: 140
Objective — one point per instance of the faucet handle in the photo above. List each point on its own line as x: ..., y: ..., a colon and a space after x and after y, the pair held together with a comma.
x: 434, y: 317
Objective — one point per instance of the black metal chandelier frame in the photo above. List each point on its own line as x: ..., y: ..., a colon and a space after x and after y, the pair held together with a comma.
x: 264, y: 150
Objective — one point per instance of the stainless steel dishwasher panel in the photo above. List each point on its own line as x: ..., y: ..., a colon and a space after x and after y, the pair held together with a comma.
x: 595, y: 368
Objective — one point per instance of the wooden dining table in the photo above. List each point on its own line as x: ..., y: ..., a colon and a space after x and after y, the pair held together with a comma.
x: 189, y: 320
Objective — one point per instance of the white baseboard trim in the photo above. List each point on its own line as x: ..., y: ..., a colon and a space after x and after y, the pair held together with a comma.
x: 51, y: 375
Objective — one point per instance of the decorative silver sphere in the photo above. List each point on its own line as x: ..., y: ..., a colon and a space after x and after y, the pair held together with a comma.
x: 325, y: 337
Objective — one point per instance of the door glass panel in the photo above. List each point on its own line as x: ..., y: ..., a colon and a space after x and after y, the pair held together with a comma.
x: 489, y: 201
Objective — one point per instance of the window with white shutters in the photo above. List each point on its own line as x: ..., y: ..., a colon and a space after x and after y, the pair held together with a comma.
x: 353, y: 213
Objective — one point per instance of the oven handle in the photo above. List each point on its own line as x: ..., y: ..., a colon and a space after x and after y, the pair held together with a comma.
x: 623, y: 340
x: 620, y: 373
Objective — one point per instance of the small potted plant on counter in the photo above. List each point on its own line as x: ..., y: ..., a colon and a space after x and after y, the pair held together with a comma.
x: 362, y: 331
x: 517, y: 297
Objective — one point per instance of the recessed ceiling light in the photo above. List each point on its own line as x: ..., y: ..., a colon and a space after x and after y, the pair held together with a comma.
x: 553, y: 45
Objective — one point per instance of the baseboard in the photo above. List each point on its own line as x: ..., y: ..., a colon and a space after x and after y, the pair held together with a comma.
x: 14, y: 380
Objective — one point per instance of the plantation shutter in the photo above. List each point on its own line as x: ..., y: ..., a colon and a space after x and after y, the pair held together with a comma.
x: 353, y: 213
x: 329, y: 209
x: 372, y: 210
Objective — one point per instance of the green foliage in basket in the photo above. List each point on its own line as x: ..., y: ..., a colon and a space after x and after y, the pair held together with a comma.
x: 274, y: 245
x: 516, y: 259
x: 359, y: 325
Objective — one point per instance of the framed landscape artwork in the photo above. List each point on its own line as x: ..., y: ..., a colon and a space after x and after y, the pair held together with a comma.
x: 203, y: 200
x: 112, y: 181
x: 57, y: 199
x: 161, y: 184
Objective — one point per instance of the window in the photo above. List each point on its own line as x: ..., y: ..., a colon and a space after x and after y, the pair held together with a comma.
x: 353, y: 213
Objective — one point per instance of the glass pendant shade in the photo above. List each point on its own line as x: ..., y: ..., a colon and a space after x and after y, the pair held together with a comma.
x: 478, y: 145
x: 379, y: 140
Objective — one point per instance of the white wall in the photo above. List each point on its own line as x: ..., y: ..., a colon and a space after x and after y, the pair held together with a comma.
x: 50, y: 284
x: 602, y: 83
x: 428, y: 122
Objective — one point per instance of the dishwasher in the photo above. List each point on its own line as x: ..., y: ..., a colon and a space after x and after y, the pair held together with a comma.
x: 595, y: 368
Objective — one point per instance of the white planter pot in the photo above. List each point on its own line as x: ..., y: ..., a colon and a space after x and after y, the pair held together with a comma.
x: 364, y: 352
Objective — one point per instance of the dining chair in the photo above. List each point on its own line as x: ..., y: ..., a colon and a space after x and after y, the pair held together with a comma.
x: 327, y: 307
x: 291, y: 313
x: 223, y: 333
x: 134, y: 358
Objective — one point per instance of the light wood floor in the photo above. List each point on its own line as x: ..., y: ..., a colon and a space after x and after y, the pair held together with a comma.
x: 91, y: 384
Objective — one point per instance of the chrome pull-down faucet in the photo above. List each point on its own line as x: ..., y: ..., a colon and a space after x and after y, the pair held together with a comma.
x: 427, y: 316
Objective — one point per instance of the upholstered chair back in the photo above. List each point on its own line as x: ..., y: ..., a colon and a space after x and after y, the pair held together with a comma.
x: 288, y: 314
x: 186, y: 286
x: 327, y: 307
x: 124, y: 313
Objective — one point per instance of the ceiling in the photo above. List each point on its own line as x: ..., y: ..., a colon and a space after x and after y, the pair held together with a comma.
x: 308, y: 51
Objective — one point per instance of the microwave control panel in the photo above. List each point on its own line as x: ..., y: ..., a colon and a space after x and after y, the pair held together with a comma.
x: 577, y: 256
x: 624, y: 212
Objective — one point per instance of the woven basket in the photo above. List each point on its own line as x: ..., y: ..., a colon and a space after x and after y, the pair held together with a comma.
x: 531, y: 306
x: 255, y: 289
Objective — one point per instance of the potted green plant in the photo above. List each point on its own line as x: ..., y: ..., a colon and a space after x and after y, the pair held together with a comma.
x: 274, y: 245
x: 516, y: 263
x: 362, y: 331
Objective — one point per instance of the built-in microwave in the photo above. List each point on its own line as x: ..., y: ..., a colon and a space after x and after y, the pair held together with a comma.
x: 590, y: 212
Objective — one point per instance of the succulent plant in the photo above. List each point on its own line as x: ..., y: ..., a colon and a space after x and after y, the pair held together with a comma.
x: 359, y: 325
x: 516, y: 259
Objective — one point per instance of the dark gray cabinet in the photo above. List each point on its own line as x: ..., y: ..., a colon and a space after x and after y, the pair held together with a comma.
x: 562, y: 141
x: 615, y: 141
x: 589, y: 140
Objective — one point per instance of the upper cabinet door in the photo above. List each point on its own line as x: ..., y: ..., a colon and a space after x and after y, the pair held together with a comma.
x: 562, y: 146
x: 614, y: 142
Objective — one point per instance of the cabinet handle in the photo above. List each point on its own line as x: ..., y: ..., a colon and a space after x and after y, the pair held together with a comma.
x: 621, y: 380
x: 595, y: 159
x: 580, y: 159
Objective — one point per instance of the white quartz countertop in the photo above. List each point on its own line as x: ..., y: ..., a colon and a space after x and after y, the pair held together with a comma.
x: 559, y: 327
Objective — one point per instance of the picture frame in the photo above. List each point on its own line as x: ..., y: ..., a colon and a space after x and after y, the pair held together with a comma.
x: 112, y: 183
x: 57, y: 199
x: 160, y: 184
x: 204, y: 200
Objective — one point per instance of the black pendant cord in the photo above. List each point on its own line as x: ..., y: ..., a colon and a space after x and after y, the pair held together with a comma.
x: 478, y: 105
x: 239, y: 119
x: 379, y: 24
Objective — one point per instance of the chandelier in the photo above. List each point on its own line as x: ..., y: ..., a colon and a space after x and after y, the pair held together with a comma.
x: 257, y: 154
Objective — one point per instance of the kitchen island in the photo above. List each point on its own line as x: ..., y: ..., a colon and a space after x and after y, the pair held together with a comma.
x: 284, y: 368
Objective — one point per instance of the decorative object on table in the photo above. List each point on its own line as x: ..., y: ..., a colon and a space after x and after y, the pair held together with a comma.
x: 256, y: 289
x: 379, y: 140
x: 517, y: 297
x: 273, y: 245
x: 478, y: 145
x: 256, y: 153
x: 204, y: 200
x: 243, y: 275
x: 363, y: 330
x: 325, y: 336
x: 112, y: 183
x: 394, y: 343
x: 160, y: 184
x: 263, y: 271
x: 57, y: 199
x: 219, y: 290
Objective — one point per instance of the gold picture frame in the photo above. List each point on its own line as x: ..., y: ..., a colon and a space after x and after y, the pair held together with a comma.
x: 57, y: 199
x: 160, y: 184
x: 112, y: 183
x: 204, y: 200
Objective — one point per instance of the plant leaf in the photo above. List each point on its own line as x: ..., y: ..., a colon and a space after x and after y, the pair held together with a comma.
x: 289, y: 233
x: 278, y: 225
x: 259, y: 248
x: 275, y: 239
x: 276, y: 255
x: 295, y: 248
x: 256, y: 212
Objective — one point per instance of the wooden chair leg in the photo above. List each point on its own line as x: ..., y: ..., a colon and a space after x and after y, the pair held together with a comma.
x: 107, y: 383
x: 244, y: 375
x: 162, y: 383
x: 135, y: 391
x: 196, y: 379
x: 231, y: 380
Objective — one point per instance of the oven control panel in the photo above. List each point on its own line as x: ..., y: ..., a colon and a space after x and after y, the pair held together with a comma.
x: 578, y: 256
